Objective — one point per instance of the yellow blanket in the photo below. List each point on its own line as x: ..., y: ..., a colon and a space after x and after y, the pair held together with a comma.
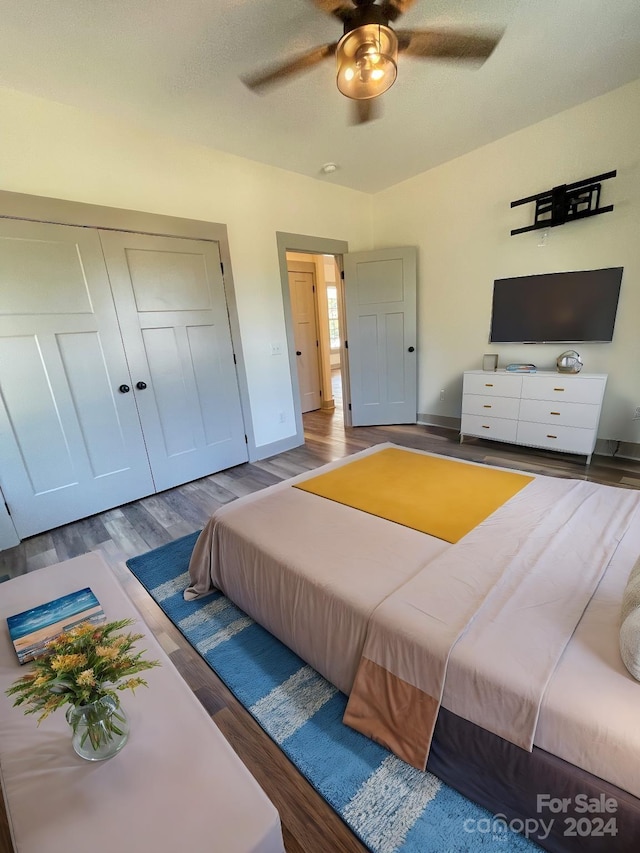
x: 442, y: 497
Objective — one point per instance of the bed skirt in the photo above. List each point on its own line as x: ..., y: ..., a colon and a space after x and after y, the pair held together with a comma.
x: 508, y: 781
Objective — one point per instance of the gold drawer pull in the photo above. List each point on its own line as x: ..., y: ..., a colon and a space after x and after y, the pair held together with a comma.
x: 554, y: 413
x: 551, y: 436
x: 558, y: 389
x: 484, y: 426
x: 488, y: 384
x: 486, y: 406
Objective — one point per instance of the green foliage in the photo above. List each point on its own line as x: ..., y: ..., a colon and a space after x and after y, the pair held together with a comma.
x: 81, y: 666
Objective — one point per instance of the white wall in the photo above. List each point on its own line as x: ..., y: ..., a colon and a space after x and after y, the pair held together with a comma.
x: 458, y: 215
x: 48, y: 149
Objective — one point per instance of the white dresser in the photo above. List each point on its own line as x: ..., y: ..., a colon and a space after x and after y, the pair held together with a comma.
x: 556, y: 411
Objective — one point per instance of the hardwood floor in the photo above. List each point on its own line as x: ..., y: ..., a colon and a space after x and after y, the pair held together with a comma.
x: 309, y: 824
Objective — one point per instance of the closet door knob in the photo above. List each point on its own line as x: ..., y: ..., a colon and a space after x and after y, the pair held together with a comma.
x: 124, y: 389
x: 411, y: 349
x: 298, y: 352
x: 141, y: 386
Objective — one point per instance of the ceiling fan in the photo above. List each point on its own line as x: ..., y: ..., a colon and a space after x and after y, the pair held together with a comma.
x: 367, y: 53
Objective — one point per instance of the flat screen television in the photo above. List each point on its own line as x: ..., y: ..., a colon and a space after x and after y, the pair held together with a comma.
x: 561, y: 307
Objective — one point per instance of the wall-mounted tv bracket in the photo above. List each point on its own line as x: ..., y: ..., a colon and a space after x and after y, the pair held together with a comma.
x: 566, y: 203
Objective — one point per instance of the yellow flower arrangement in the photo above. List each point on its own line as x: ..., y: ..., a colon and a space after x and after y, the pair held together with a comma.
x: 80, y: 667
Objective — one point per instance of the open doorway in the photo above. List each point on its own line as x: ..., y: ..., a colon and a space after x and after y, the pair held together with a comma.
x: 321, y: 259
x: 315, y: 292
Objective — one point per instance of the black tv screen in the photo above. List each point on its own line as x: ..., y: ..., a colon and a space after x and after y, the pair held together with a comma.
x: 561, y: 307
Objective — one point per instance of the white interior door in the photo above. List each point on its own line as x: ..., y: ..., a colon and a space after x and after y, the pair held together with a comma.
x: 380, y: 298
x: 70, y: 442
x: 170, y: 298
x: 305, y: 334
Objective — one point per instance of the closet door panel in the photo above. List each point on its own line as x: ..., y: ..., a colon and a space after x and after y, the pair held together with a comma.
x: 70, y: 442
x: 94, y: 399
x: 169, y: 380
x: 215, y: 393
x: 170, y: 299
x: 37, y: 418
x: 42, y: 274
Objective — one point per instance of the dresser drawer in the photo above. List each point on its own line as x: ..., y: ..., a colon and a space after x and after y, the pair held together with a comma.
x: 499, y: 429
x: 495, y: 407
x: 571, y: 389
x: 557, y: 437
x: 494, y: 384
x: 585, y: 415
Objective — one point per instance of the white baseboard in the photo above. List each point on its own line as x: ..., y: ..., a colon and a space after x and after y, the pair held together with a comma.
x: 425, y: 419
x: 622, y: 449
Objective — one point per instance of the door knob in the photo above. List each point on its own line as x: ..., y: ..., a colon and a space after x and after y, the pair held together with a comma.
x: 412, y: 349
x: 124, y: 389
x: 141, y: 386
x: 298, y: 352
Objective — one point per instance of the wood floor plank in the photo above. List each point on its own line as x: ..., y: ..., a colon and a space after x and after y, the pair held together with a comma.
x: 264, y: 478
x: 189, y: 509
x: 216, y: 490
x: 239, y: 486
x: 145, y: 525
x: 44, y: 558
x: 68, y: 542
x: 125, y: 535
x: 157, y: 506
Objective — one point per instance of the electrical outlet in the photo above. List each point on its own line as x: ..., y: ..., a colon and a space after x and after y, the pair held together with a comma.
x: 636, y: 414
x: 442, y: 396
x: 281, y: 417
x: 276, y: 349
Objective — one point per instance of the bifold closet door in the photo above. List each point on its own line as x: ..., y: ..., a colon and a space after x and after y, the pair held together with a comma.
x: 171, y: 304
x: 70, y: 442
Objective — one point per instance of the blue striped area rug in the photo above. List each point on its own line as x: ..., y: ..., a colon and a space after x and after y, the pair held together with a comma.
x: 389, y: 805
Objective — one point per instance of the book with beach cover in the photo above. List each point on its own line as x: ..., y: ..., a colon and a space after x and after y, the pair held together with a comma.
x: 31, y: 630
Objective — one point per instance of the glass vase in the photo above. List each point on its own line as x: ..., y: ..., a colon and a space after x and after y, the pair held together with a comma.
x: 100, y: 729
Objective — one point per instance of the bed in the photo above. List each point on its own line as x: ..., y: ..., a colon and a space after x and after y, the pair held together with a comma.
x: 348, y: 592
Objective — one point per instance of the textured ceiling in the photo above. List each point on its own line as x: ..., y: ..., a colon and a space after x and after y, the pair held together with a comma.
x: 175, y: 67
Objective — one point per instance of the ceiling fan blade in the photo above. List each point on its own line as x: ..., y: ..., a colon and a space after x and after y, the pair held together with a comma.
x: 334, y: 7
x: 447, y: 44
x: 364, y: 111
x: 278, y: 73
x: 392, y: 9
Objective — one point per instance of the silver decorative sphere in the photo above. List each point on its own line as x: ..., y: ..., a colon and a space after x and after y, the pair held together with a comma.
x: 569, y: 362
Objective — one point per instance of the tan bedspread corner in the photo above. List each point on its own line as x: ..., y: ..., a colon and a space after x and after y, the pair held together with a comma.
x: 392, y: 712
x: 200, y: 565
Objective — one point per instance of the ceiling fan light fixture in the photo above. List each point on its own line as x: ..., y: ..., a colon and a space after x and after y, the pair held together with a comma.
x: 367, y: 58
